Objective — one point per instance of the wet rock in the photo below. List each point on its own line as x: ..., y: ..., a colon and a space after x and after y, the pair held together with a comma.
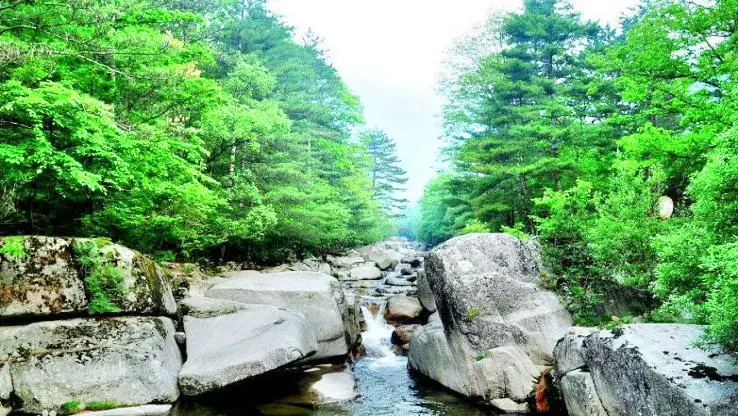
x: 336, y: 387
x: 508, y: 406
x: 316, y: 296
x: 127, y: 361
x: 403, y: 334
x: 344, y: 262
x: 225, y: 349
x: 580, y: 394
x: 365, y: 273
x: 397, y: 290
x: 402, y: 309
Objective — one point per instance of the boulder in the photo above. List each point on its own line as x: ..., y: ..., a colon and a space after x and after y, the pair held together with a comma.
x: 499, y: 325
x: 580, y: 395
x: 424, y: 292
x: 506, y: 405
x: 147, y: 287
x: 403, y: 334
x: 569, y: 351
x: 655, y: 369
x: 6, y: 389
x: 397, y: 290
x: 344, y: 262
x: 225, y: 349
x: 316, y: 296
x: 38, y: 277
x: 42, y: 276
x: 365, y: 273
x: 402, y: 309
x: 404, y: 268
x: 335, y: 387
x: 381, y: 259
x: 127, y: 361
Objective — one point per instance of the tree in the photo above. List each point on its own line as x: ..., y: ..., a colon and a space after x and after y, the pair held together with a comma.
x: 386, y: 174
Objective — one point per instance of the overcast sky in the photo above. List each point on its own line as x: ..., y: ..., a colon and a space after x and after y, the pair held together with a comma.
x: 391, y: 52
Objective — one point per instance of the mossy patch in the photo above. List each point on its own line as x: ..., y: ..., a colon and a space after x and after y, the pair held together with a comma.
x: 71, y: 407
x: 14, y: 247
x: 473, y: 312
x: 101, y: 405
x: 104, y: 283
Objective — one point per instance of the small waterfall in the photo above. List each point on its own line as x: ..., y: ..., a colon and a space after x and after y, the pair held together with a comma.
x: 378, y: 334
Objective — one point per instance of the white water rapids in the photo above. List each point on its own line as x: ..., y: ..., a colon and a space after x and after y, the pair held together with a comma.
x: 377, y: 337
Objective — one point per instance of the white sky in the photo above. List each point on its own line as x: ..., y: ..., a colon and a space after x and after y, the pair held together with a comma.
x: 390, y: 53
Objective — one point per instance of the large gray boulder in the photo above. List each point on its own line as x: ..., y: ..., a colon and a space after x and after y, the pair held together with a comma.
x: 126, y: 361
x: 38, y: 277
x: 499, y: 325
x: 316, y: 296
x: 223, y: 350
x: 44, y: 276
x: 427, y: 299
x: 656, y: 369
x: 569, y: 351
x: 402, y: 309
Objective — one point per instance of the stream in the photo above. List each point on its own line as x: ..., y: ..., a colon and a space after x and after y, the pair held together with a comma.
x: 384, y: 384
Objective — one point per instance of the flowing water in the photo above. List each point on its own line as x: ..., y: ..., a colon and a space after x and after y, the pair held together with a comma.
x: 384, y: 383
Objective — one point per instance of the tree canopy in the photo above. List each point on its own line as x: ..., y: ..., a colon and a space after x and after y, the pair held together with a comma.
x: 573, y: 132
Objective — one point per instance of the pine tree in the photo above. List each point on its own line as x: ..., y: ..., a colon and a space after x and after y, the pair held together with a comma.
x: 386, y: 174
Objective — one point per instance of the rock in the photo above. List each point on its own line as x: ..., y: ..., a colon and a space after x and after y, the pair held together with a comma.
x: 203, y: 307
x: 413, y: 261
x: 403, y: 334
x: 424, y: 292
x: 344, y: 262
x: 41, y: 280
x: 180, y: 338
x: 412, y: 277
x: 404, y: 268
x: 508, y: 406
x: 146, y: 410
x: 580, y: 395
x: 336, y: 387
x: 397, y: 281
x: 365, y: 273
x: 500, y: 327
x: 569, y: 351
x: 128, y: 361
x: 316, y: 296
x: 655, y: 369
x: 226, y: 349
x: 401, y: 309
x: 397, y: 290
x: 147, y: 286
x: 6, y: 389
x: 381, y: 259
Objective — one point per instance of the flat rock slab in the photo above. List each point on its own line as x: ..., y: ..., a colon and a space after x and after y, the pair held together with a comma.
x: 225, y: 349
x: 314, y: 295
x: 656, y: 369
x: 401, y: 309
x: 126, y: 361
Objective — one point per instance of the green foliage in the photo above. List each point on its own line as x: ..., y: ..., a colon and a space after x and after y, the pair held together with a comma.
x: 563, y: 129
x: 14, y: 247
x: 71, y: 407
x: 135, y: 120
x: 104, y: 283
x: 473, y: 312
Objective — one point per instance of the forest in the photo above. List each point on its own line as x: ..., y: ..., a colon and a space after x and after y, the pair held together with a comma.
x: 203, y: 130
x: 185, y: 129
x: 560, y: 128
